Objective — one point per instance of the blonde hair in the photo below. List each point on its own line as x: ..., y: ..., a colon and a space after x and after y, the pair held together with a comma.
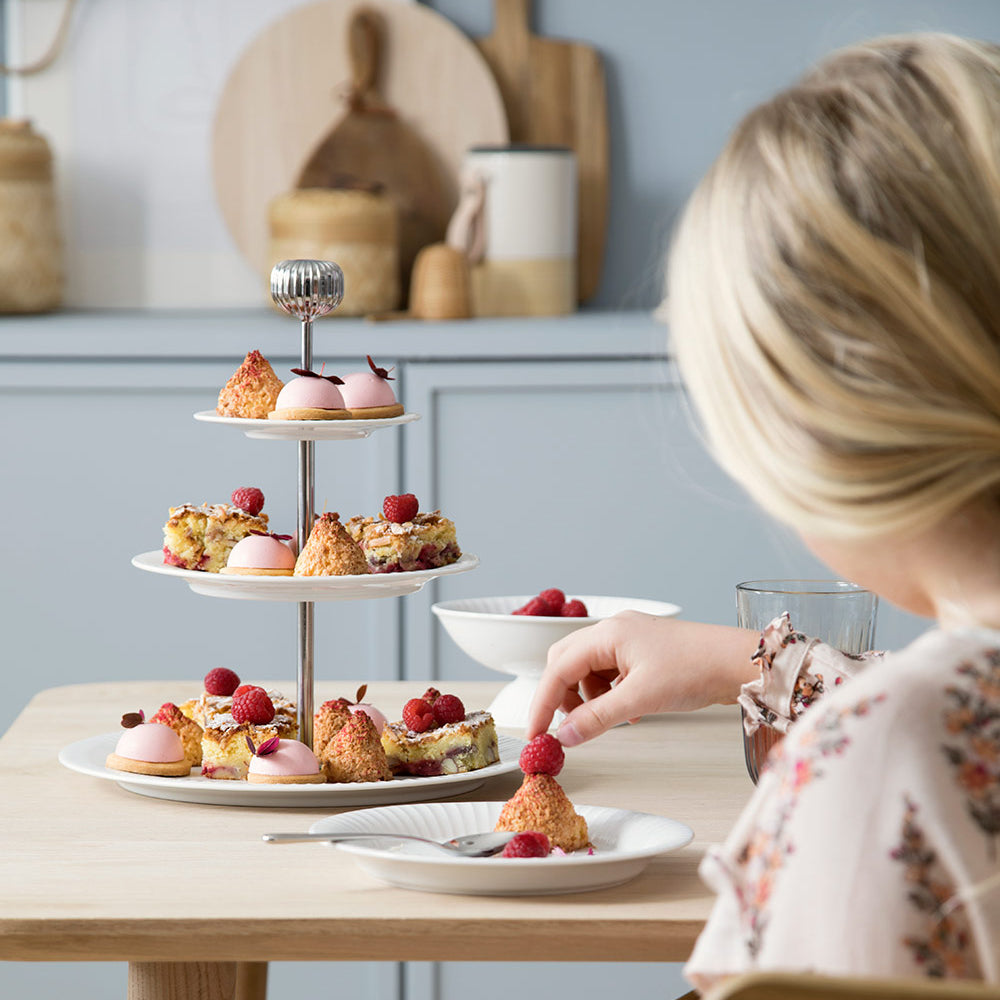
x: 834, y: 290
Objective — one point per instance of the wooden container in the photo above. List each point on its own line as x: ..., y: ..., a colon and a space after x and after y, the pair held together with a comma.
x: 440, y: 286
x: 356, y: 227
x: 31, y: 250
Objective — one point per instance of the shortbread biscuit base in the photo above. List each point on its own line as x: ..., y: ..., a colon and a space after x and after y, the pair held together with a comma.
x: 307, y: 413
x: 246, y: 571
x: 377, y: 412
x: 169, y: 769
x: 287, y: 779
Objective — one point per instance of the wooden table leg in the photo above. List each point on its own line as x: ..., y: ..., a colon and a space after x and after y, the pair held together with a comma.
x: 182, y: 980
x: 251, y: 981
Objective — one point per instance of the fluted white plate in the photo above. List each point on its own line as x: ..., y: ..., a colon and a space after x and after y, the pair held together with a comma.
x: 624, y: 844
x: 87, y: 757
x: 305, y: 430
x: 301, y: 588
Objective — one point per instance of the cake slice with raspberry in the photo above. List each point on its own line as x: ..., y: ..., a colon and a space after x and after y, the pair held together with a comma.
x: 402, y: 539
x: 201, y: 536
x: 225, y: 753
x: 446, y: 741
x: 252, y: 390
x: 541, y: 805
x: 355, y: 752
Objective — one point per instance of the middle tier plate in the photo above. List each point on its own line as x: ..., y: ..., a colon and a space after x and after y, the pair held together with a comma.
x: 301, y: 588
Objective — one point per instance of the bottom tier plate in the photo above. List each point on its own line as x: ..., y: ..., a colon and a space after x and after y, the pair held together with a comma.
x: 87, y: 757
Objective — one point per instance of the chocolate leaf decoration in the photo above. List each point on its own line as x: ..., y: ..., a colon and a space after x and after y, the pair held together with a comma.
x: 268, y: 746
x: 361, y: 693
x: 132, y: 719
x: 257, y: 531
x: 253, y: 749
x: 283, y: 538
x: 381, y: 372
x: 308, y: 374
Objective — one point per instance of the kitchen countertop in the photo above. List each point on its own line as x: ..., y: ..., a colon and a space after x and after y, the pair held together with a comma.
x: 177, y: 335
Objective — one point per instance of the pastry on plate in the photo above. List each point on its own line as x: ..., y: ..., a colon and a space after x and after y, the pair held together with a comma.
x: 368, y: 395
x: 311, y: 396
x: 283, y: 762
x: 148, y: 748
x: 355, y: 752
x: 402, y: 539
x: 202, y: 536
x: 330, y: 550
x: 251, y: 391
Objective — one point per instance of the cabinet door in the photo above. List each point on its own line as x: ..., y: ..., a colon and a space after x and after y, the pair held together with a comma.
x: 94, y: 455
x: 590, y: 476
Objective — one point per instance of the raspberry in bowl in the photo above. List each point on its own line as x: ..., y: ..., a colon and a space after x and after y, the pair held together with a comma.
x: 499, y: 634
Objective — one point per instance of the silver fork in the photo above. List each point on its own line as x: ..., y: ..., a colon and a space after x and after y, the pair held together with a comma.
x: 472, y: 845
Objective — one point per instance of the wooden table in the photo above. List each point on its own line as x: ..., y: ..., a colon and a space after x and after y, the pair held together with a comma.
x: 192, y: 898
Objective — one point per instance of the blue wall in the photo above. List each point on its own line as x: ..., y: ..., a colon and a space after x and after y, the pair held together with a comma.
x: 681, y: 73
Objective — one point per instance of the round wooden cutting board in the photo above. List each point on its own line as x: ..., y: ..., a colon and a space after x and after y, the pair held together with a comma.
x: 284, y: 95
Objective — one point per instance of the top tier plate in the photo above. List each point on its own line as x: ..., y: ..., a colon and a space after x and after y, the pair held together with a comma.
x: 305, y: 430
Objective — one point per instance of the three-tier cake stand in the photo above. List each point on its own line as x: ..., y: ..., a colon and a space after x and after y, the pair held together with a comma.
x: 307, y: 290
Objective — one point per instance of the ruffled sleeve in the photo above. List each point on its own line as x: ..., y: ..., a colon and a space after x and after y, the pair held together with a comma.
x: 795, y: 671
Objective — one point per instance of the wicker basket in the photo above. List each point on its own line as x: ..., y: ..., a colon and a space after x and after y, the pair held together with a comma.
x: 356, y: 228
x: 31, y: 252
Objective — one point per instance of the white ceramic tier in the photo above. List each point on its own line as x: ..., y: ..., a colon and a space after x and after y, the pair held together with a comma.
x: 301, y: 588
x: 305, y: 430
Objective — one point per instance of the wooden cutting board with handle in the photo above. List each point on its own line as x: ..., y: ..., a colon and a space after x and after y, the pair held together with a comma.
x: 285, y: 94
x: 373, y: 143
x: 554, y: 94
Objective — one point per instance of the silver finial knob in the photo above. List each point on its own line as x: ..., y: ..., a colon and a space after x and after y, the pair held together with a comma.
x: 307, y: 289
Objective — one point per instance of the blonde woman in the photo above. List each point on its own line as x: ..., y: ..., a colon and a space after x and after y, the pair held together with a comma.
x: 834, y: 301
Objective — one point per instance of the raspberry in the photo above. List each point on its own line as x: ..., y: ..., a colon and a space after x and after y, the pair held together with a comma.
x: 418, y: 715
x: 535, y: 607
x: 448, y: 708
x: 253, y: 706
x: 431, y: 695
x: 400, y: 509
x: 243, y: 688
x: 574, y: 609
x: 554, y: 598
x: 527, y: 845
x: 248, y: 498
x: 222, y: 681
x: 543, y: 755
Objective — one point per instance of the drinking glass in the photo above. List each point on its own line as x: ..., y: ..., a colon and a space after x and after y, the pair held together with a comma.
x: 835, y: 611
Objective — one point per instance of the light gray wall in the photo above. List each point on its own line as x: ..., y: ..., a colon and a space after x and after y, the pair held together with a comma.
x: 680, y: 74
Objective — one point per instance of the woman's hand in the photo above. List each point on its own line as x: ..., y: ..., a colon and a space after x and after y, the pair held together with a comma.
x: 635, y: 664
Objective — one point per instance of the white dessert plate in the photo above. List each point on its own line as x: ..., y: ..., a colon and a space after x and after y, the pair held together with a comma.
x: 88, y: 756
x: 624, y: 844
x: 301, y: 588
x: 305, y: 430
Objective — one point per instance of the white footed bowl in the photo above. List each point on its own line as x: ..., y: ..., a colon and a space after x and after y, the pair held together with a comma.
x: 486, y: 629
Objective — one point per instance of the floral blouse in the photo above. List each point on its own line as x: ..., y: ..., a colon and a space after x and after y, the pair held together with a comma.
x: 871, y: 845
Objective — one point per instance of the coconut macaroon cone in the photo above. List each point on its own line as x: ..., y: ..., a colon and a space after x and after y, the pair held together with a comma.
x: 330, y: 551
x: 540, y: 805
x: 252, y: 391
x: 355, y: 752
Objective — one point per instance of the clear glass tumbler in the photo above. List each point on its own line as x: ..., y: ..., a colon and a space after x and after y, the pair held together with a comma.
x: 834, y: 611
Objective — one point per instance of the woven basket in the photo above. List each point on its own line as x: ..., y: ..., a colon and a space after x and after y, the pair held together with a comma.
x: 357, y: 229
x: 31, y: 253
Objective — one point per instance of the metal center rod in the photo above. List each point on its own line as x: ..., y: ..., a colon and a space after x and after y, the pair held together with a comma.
x: 306, y: 506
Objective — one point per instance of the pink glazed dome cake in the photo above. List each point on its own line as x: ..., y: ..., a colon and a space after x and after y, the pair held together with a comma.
x: 261, y: 555
x: 368, y: 395
x: 148, y: 748
x: 284, y: 762
x: 311, y: 396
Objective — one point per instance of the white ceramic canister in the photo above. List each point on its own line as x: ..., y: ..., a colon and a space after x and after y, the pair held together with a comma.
x: 518, y: 225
